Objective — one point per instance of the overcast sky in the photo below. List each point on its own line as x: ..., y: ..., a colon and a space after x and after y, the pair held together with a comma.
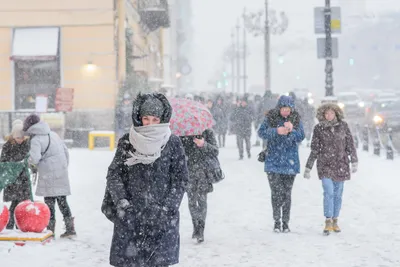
x: 214, y: 19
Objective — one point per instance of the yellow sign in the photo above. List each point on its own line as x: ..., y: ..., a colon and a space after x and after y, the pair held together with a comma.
x: 335, y: 24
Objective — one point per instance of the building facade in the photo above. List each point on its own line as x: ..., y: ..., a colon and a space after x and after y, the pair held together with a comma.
x: 45, y: 45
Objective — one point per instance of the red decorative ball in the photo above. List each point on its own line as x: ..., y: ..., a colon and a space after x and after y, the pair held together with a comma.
x: 32, y: 216
x: 4, y: 216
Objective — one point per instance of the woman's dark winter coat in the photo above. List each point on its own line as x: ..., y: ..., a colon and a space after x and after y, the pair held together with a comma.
x: 148, y: 234
x: 332, y: 146
x: 242, y: 119
x: 13, y: 152
x: 200, y: 160
x: 282, y: 150
x: 221, y: 117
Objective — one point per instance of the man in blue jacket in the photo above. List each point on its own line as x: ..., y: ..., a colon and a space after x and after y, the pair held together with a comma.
x: 283, y: 131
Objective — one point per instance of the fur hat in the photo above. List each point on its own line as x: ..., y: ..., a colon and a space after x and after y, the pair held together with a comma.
x: 17, y: 127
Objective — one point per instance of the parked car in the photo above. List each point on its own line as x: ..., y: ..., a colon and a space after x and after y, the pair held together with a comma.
x: 351, y: 104
x: 385, y: 115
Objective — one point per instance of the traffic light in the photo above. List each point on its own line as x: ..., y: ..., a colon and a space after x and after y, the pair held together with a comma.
x: 219, y: 85
x: 281, y: 60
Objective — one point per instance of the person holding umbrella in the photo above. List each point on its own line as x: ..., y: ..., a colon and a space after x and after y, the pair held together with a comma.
x: 192, y: 121
x: 145, y: 186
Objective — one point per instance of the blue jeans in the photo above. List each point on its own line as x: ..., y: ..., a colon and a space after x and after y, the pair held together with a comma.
x: 333, y: 192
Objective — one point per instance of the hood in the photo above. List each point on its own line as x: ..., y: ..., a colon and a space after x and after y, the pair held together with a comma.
x: 286, y: 101
x: 323, y: 108
x: 141, y: 98
x: 40, y: 128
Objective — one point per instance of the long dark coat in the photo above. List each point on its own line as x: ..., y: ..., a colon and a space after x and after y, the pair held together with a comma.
x: 198, y: 159
x: 20, y: 189
x: 148, y: 234
x: 242, y: 119
x: 332, y: 146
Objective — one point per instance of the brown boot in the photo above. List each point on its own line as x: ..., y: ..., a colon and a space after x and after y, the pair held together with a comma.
x: 328, y: 226
x: 335, y: 226
x: 69, y: 227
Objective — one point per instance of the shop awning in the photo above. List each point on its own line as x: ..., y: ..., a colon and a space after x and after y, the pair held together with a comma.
x: 35, y: 44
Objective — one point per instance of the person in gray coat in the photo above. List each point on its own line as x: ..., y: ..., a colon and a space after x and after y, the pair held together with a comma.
x: 50, y: 155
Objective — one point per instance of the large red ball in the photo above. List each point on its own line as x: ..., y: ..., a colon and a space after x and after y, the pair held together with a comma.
x: 32, y: 216
x: 4, y: 216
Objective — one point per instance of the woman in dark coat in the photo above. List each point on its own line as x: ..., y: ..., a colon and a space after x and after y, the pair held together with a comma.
x: 145, y: 186
x: 220, y: 113
x: 200, y: 150
x: 16, y: 149
x: 332, y: 146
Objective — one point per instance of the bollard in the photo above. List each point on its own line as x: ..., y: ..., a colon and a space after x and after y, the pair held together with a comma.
x: 357, y: 135
x: 377, y: 143
x: 365, y: 137
x: 389, y: 146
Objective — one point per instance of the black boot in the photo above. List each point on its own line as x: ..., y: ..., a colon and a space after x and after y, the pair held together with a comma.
x: 285, y: 227
x: 277, y: 227
x: 52, y: 226
x: 69, y: 227
x: 200, y: 237
x: 195, y: 229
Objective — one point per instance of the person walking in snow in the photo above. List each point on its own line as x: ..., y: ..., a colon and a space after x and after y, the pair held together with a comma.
x: 200, y: 151
x: 221, y: 117
x: 50, y: 154
x: 283, y: 131
x: 16, y: 149
x: 145, y: 186
x: 242, y: 120
x: 332, y: 146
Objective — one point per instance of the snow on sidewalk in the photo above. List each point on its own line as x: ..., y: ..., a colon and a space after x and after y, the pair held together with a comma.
x: 239, y: 227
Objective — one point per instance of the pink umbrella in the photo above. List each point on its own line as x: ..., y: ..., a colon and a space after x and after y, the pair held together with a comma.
x: 189, y: 117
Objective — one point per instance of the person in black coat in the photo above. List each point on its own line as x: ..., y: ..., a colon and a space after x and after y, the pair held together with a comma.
x: 200, y: 150
x: 242, y: 119
x: 145, y: 185
x: 16, y: 149
x: 220, y: 113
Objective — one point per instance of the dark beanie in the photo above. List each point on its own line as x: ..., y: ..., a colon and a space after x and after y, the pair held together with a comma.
x: 30, y: 121
x: 152, y: 107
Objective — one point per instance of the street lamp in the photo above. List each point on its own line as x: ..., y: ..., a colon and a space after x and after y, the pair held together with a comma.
x: 274, y: 24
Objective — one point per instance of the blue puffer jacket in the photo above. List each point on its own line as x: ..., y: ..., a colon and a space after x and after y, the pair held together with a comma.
x: 282, y: 150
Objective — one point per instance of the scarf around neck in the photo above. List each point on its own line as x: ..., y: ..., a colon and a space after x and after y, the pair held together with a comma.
x: 148, y: 142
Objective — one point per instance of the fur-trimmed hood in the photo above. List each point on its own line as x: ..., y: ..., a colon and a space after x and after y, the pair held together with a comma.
x: 323, y: 108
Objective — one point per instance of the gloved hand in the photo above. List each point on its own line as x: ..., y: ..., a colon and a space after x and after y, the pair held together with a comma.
x: 307, y: 173
x: 354, y: 167
x: 125, y: 213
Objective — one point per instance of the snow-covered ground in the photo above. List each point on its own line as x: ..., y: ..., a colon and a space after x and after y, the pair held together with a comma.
x: 239, y: 228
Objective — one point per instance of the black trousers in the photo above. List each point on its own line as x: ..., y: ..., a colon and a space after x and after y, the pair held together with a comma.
x: 11, y: 221
x: 246, y: 139
x: 221, y: 140
x: 281, y: 195
x: 62, y: 204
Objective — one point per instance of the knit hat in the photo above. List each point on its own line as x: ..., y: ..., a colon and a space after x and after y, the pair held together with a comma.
x: 152, y: 107
x: 17, y: 127
x: 30, y: 121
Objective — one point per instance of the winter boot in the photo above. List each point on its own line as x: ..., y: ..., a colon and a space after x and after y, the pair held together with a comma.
x: 335, y: 226
x: 200, y: 237
x: 69, y: 227
x: 52, y: 226
x: 328, y: 226
x: 285, y: 227
x: 195, y: 229
x: 277, y: 227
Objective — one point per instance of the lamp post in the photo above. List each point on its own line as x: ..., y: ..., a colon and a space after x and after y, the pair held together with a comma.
x: 273, y: 24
